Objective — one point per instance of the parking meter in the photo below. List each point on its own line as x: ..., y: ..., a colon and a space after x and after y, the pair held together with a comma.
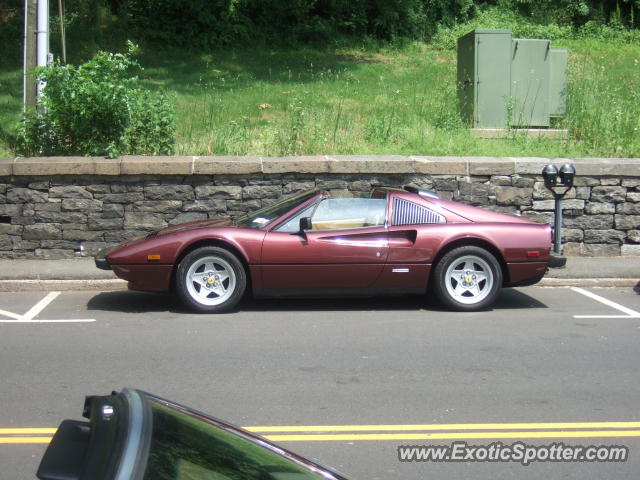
x: 567, y: 173
x: 550, y: 175
x: 559, y: 182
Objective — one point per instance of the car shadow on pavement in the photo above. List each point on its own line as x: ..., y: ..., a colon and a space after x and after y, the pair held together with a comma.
x: 507, y: 299
x: 141, y: 302
x: 125, y: 301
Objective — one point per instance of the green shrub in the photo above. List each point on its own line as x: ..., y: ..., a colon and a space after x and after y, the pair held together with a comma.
x: 493, y: 17
x: 200, y: 23
x: 207, y: 24
x: 98, y: 108
x: 523, y: 26
x: 11, y: 32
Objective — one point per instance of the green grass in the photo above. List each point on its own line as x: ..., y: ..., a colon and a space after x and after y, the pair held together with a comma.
x: 376, y: 100
x: 10, y: 106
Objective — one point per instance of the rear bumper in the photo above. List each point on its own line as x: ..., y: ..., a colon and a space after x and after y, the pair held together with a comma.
x: 525, y: 273
x: 557, y: 261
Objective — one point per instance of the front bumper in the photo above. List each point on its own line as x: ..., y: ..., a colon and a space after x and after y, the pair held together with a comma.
x: 557, y: 260
x: 102, y: 263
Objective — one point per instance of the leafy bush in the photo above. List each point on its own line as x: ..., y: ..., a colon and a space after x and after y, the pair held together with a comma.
x: 11, y: 27
x: 576, y: 12
x: 211, y: 24
x: 521, y: 27
x: 201, y: 23
x: 206, y: 23
x: 98, y: 108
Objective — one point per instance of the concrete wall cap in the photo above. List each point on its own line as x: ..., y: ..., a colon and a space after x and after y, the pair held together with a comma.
x: 338, y: 164
x: 226, y: 165
x: 441, y: 165
x: 620, y: 167
x: 530, y: 165
x: 370, y: 164
x: 491, y: 166
x: 35, y: 166
x: 160, y: 165
x: 296, y: 164
x: 6, y: 166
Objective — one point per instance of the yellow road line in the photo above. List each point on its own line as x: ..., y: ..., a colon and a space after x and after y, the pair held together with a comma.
x: 9, y: 440
x: 310, y: 433
x: 26, y: 431
x: 392, y: 428
x: 452, y: 436
x: 451, y: 426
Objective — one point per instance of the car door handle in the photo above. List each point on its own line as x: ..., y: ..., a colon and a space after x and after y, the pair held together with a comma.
x: 402, y: 238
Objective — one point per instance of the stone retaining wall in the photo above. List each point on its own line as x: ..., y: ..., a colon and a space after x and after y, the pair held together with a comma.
x: 48, y: 206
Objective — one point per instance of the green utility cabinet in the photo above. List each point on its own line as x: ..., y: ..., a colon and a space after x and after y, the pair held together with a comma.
x: 558, y: 82
x: 505, y: 82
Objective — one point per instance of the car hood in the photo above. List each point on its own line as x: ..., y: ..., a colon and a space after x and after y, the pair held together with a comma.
x: 212, y: 222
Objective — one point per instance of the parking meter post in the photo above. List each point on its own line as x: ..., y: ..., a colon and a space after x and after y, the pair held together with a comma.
x: 557, y: 234
x: 559, y: 188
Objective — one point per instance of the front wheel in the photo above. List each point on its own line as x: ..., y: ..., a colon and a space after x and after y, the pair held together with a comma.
x: 467, y: 278
x: 210, y: 280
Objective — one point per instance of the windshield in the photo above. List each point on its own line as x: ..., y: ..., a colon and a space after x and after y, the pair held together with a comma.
x: 266, y: 215
x: 188, y: 446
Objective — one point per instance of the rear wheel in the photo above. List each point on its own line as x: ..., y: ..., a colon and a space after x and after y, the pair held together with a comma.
x: 210, y: 280
x: 467, y: 278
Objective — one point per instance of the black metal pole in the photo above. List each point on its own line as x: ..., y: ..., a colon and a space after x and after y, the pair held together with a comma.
x: 557, y: 234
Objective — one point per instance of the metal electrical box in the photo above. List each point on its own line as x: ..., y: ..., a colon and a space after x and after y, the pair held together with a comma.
x: 484, y: 76
x: 558, y: 82
x: 529, y: 83
x: 505, y: 82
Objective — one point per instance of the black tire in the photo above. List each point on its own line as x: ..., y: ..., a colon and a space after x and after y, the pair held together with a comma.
x: 210, y: 280
x: 467, y: 279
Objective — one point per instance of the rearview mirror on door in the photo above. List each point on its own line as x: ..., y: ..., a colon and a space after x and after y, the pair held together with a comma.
x: 305, y: 224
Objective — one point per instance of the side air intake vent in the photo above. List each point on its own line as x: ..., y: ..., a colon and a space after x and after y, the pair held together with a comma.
x: 408, y: 213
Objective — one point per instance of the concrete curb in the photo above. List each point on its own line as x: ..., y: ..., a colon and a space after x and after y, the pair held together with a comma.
x: 61, y: 285
x: 116, y: 284
x: 589, y: 282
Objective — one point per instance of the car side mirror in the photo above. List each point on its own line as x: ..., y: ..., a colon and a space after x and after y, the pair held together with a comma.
x: 305, y: 224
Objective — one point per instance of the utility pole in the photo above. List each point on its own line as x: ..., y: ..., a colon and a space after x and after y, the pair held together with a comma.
x: 42, y: 37
x: 63, y: 39
x: 29, y: 82
x: 36, y: 47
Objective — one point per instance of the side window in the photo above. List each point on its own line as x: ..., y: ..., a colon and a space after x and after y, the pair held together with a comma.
x: 293, y: 224
x: 409, y: 213
x: 343, y: 213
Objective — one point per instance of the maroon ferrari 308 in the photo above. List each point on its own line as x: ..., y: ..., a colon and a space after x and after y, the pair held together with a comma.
x: 393, y: 242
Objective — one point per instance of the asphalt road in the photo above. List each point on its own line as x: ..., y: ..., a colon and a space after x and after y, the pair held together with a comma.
x: 356, y: 364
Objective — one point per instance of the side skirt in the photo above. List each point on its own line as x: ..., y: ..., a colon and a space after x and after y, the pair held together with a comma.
x: 337, y: 292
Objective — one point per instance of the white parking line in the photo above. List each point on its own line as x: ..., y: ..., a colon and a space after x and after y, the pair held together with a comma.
x: 629, y: 313
x: 41, y: 305
x: 36, y: 309
x: 10, y: 315
x: 79, y: 320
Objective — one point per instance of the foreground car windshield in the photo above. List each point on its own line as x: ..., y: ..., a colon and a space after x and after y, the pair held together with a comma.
x: 266, y: 215
x: 133, y: 435
x: 183, y: 447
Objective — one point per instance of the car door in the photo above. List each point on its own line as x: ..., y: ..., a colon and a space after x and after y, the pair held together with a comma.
x: 414, y: 235
x: 346, y: 247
